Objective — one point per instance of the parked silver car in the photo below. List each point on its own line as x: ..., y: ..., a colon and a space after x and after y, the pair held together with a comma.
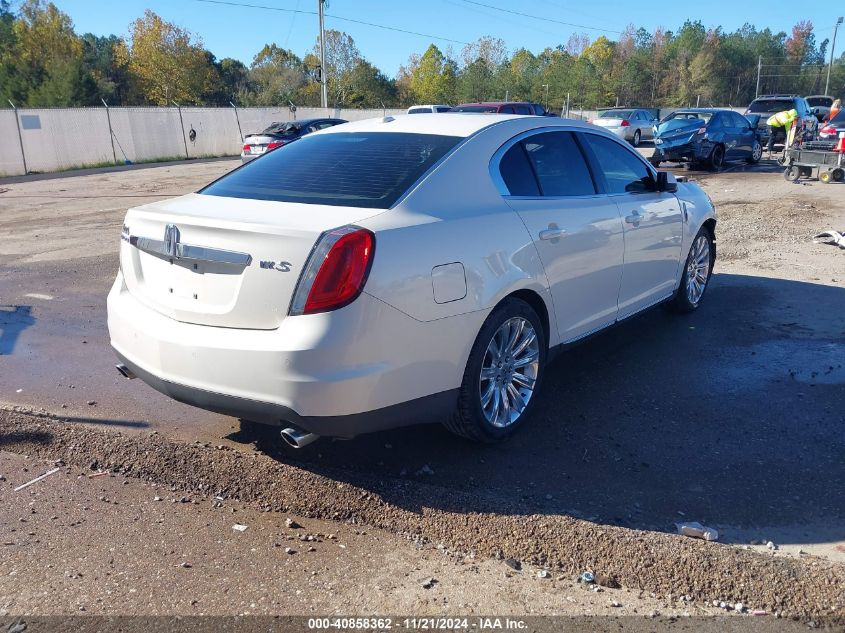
x: 631, y: 124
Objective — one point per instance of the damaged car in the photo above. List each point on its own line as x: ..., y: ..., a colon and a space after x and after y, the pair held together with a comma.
x: 707, y: 137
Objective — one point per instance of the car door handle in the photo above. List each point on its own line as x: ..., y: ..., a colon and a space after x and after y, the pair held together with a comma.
x: 551, y: 234
x: 635, y: 218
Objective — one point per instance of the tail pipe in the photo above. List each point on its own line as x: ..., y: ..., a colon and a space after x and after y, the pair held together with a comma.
x: 125, y: 371
x: 297, y: 438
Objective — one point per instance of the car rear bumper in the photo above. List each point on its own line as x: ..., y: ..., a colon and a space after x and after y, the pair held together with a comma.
x: 245, y: 158
x: 362, y: 368
x: 426, y: 409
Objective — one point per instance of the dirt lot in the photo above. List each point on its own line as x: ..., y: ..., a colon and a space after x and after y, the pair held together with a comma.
x: 732, y: 417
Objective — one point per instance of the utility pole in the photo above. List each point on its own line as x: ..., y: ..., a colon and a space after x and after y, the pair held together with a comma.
x: 759, y: 69
x: 832, y: 46
x: 324, y: 97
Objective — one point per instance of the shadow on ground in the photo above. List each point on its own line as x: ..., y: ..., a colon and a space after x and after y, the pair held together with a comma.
x: 730, y: 416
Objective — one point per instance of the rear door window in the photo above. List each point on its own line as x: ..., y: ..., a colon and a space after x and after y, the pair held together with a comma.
x: 522, y: 109
x: 517, y: 172
x: 623, y: 171
x: 361, y: 169
x: 559, y: 164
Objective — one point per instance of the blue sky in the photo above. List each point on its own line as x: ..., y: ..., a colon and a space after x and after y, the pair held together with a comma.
x: 238, y: 32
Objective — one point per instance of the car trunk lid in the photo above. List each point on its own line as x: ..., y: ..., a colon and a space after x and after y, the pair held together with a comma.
x: 221, y: 261
x: 608, y: 122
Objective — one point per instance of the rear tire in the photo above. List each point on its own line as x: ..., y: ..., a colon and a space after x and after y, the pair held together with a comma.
x: 838, y: 174
x: 506, y: 364
x: 717, y: 158
x: 698, y: 269
x: 636, y: 140
x: 792, y: 174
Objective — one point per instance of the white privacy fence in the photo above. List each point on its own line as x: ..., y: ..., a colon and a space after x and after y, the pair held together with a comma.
x: 54, y: 139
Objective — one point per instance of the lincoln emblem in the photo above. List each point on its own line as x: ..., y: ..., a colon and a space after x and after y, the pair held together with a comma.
x: 171, y: 239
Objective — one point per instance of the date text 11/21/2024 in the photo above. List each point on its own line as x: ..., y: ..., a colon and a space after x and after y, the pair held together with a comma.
x: 421, y: 623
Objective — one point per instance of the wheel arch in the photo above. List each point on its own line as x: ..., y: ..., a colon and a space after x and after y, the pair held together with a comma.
x: 710, y: 225
x: 539, y: 306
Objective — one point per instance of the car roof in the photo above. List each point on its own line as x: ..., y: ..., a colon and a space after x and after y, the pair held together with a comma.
x: 496, y: 103
x: 460, y: 124
x: 702, y: 110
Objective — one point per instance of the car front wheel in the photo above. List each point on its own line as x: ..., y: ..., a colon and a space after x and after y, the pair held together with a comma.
x: 696, y: 275
x: 503, y: 374
x: 756, y: 152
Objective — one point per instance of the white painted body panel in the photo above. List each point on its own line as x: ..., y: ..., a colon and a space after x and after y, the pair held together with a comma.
x: 395, y: 342
x: 584, y: 265
x: 653, y: 227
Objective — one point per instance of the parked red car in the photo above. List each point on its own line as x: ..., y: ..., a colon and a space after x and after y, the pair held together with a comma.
x: 503, y: 107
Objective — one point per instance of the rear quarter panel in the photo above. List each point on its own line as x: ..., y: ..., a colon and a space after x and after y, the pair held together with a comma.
x: 456, y: 215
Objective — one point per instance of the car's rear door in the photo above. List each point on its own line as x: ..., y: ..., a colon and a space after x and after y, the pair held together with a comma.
x: 652, y: 222
x: 577, y: 230
x: 745, y: 134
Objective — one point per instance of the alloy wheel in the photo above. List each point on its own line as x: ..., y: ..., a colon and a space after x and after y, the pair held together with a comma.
x: 756, y: 151
x: 698, y: 269
x: 509, y: 372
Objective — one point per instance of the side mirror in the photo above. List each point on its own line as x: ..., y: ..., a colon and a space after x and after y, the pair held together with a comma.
x: 666, y: 182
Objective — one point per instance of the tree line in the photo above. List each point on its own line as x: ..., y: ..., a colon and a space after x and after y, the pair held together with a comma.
x: 45, y: 63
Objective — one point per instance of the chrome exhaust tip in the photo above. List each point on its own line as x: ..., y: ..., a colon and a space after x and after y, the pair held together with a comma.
x: 297, y: 438
x: 125, y: 371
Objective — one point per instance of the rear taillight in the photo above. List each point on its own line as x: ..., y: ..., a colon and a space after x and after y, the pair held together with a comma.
x: 589, y: 120
x: 625, y: 123
x: 247, y: 148
x: 274, y: 145
x: 336, y: 271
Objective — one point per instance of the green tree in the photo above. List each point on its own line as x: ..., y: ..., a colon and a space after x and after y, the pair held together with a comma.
x: 369, y: 88
x: 167, y: 63
x: 432, y: 81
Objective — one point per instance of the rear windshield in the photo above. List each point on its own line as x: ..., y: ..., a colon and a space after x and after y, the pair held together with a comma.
x: 824, y: 102
x: 474, y: 108
x: 616, y: 114
x: 361, y: 169
x: 689, y: 116
x: 771, y: 105
x: 281, y: 129
x: 419, y: 111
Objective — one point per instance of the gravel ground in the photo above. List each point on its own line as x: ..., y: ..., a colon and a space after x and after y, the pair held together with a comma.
x: 647, y: 562
x: 162, y: 551
x: 732, y: 416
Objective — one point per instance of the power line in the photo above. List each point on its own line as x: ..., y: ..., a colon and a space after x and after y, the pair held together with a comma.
x: 333, y: 17
x: 537, y: 17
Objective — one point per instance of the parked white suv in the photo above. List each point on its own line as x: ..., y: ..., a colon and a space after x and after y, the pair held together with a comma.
x: 429, y: 109
x: 402, y: 270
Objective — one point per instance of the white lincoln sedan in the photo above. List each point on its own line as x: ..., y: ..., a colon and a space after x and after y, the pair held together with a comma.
x: 402, y: 270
